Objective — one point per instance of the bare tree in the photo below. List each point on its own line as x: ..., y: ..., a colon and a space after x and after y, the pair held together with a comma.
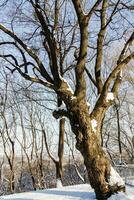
x: 1, y: 176
x: 25, y: 148
x: 7, y: 133
x: 58, y: 162
x: 58, y: 44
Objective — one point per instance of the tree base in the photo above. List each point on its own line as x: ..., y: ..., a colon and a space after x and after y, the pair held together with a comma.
x: 102, y: 195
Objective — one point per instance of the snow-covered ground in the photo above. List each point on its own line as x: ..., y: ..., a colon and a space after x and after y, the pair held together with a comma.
x: 77, y: 192
x: 130, y: 182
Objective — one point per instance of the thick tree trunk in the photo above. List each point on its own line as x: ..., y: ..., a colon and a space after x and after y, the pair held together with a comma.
x: 87, y: 129
x: 99, y: 169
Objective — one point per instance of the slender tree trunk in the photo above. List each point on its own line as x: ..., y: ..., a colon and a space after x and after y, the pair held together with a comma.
x: 59, y: 163
x: 119, y: 133
x: 11, y: 183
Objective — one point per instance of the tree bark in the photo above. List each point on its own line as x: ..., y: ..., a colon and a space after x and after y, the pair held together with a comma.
x: 59, y: 164
x: 95, y: 159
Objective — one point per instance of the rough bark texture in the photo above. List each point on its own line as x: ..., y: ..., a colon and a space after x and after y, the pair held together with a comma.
x: 95, y: 159
x: 88, y: 143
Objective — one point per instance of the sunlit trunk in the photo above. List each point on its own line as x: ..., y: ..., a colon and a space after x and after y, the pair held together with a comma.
x: 102, y: 177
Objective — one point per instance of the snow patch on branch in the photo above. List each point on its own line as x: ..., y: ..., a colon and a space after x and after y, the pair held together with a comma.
x: 120, y: 76
x: 69, y: 88
x: 73, y: 98
x: 61, y: 107
x: 88, y: 104
x: 110, y: 96
x: 94, y: 125
x: 115, y: 178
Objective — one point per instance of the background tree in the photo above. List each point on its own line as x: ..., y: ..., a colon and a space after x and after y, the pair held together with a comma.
x: 7, y: 132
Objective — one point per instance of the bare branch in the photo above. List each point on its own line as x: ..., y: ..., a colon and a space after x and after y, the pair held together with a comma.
x: 93, y: 9
x: 113, y: 13
x: 50, y: 40
x: 24, y: 75
x: 129, y: 7
x: 44, y: 73
x: 90, y: 76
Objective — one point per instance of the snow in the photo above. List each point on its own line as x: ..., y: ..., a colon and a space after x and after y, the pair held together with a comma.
x: 88, y: 104
x: 115, y: 178
x: 120, y: 196
x: 73, y: 98
x: 77, y: 192
x: 121, y: 74
x: 69, y: 88
x: 128, y: 195
x: 130, y: 182
x: 110, y: 96
x: 94, y: 125
x: 59, y: 183
x: 62, y: 107
x: 120, y: 159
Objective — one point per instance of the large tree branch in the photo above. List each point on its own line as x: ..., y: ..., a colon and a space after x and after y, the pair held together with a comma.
x: 80, y: 90
x: 56, y: 16
x: 116, y: 70
x: 120, y: 66
x: 127, y: 44
x: 102, y: 103
x: 100, y: 42
x: 79, y: 10
x: 118, y: 80
x: 50, y: 40
x: 115, y: 76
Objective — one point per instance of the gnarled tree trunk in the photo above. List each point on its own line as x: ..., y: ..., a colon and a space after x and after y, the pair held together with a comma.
x: 87, y: 128
x: 95, y: 159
